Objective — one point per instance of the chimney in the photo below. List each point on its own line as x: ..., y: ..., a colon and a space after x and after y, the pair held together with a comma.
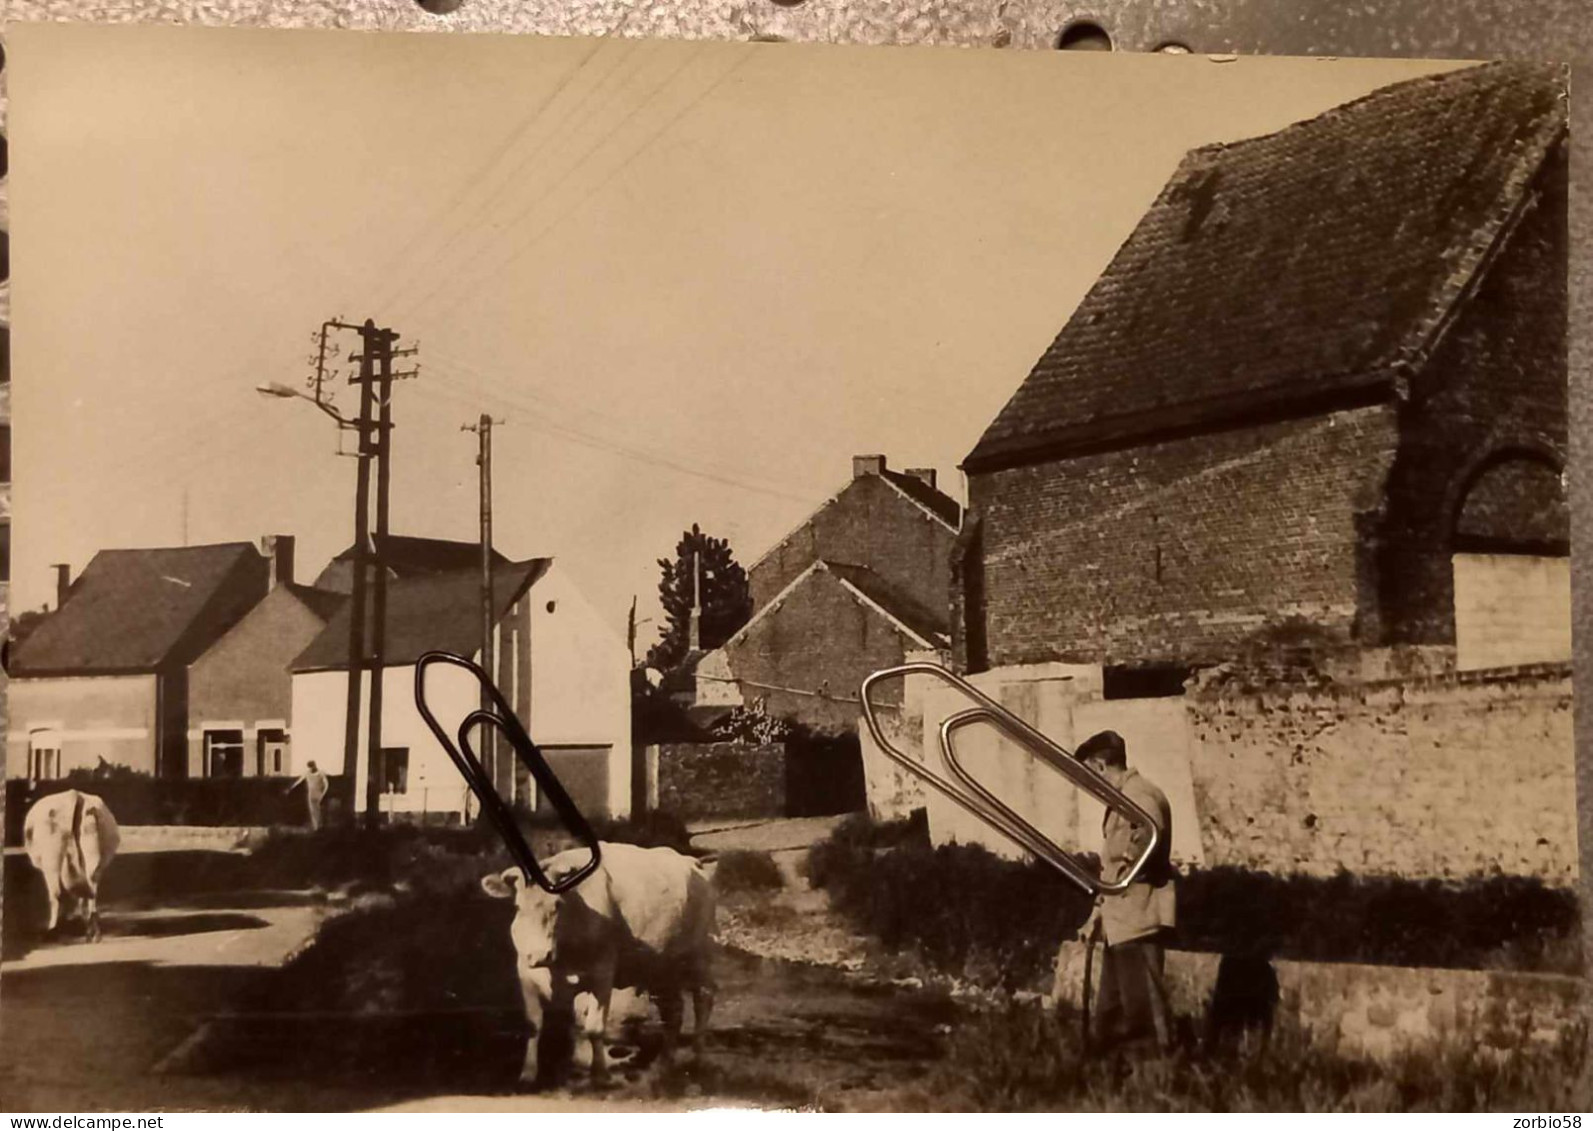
x: 63, y: 582
x: 925, y: 475
x: 278, y: 551
x: 867, y: 465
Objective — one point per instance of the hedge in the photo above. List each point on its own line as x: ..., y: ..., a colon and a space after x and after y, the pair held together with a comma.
x: 999, y: 922
x: 139, y: 799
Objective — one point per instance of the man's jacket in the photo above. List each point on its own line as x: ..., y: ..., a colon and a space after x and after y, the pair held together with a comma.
x: 1149, y: 905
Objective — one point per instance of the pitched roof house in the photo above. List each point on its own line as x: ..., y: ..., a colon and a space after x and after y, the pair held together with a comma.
x: 1323, y: 381
x: 106, y: 674
x: 862, y: 583
x: 562, y: 669
x: 240, y: 691
x: 406, y: 556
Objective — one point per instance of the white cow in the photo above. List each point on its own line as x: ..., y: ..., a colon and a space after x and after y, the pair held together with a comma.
x: 71, y: 838
x: 644, y: 918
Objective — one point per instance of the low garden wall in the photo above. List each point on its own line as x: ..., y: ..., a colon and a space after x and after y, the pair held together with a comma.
x: 1377, y: 1011
x: 716, y: 779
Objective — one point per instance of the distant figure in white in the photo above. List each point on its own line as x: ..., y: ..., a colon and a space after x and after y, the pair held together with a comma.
x: 70, y: 837
x: 645, y: 918
x: 315, y: 786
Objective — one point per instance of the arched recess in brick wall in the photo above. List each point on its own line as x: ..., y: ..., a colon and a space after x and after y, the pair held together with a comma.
x: 1510, y: 544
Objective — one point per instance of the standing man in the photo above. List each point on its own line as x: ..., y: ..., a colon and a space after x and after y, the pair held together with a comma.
x: 1132, y: 1002
x: 315, y: 786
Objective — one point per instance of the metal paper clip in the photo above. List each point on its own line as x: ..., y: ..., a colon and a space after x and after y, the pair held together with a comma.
x: 968, y: 792
x: 502, y: 717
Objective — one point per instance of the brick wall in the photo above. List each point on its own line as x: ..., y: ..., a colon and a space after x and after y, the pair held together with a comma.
x: 1434, y: 777
x: 1176, y: 550
x: 244, y: 677
x: 720, y: 779
x: 1496, y: 384
x: 1181, y: 549
x: 809, y: 657
x: 870, y: 523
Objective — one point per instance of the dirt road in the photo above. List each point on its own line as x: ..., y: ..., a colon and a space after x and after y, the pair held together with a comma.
x: 185, y: 941
x: 86, y: 1023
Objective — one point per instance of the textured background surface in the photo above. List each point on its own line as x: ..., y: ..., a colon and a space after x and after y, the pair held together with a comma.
x: 1518, y: 29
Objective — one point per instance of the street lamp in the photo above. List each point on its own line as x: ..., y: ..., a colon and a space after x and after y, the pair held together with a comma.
x: 288, y: 392
x: 356, y: 641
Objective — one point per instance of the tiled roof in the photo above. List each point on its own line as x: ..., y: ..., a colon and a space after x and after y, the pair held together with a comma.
x: 1321, y: 259
x: 322, y: 602
x: 433, y: 611
x: 406, y: 555
x: 930, y: 498
x: 132, y: 610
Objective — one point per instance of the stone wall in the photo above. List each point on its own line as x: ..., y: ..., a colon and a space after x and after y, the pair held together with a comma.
x: 1378, y: 1011
x: 718, y: 779
x: 1435, y: 777
x: 1420, y: 775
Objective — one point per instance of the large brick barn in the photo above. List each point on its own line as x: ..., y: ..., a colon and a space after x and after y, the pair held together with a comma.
x: 1322, y: 382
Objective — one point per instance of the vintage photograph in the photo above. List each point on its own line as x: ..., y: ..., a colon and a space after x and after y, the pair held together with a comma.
x: 610, y: 574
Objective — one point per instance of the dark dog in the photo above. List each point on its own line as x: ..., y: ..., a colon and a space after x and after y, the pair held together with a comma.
x: 1245, y: 1000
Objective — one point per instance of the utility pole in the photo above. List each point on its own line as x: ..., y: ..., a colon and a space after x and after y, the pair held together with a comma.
x: 694, y: 634
x: 374, y: 379
x: 501, y: 770
x: 377, y: 354
x: 361, y: 564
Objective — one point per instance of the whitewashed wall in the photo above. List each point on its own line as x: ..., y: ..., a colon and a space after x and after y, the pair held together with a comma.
x: 580, y: 696
x: 1063, y: 702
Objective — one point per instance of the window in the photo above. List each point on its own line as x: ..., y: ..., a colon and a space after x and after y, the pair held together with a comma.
x: 395, y: 769
x: 224, y: 753
x: 44, y: 757
x: 271, y: 752
x: 5, y: 550
x: 1144, y: 681
x: 5, y: 453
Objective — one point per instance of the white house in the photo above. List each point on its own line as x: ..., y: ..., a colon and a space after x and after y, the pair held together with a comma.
x: 559, y: 665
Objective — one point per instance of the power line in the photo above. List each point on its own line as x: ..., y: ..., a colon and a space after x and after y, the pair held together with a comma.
x: 455, y: 206
x: 585, y: 198
x: 631, y: 80
x: 576, y: 436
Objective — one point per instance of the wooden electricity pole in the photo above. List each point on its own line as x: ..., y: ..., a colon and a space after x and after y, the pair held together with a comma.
x: 361, y: 564
x: 378, y: 346
x: 375, y: 380
x: 501, y: 769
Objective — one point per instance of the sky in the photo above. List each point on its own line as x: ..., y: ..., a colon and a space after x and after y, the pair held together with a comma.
x: 692, y: 280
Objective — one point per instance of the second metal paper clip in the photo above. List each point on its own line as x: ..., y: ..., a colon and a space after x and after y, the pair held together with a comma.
x: 968, y: 792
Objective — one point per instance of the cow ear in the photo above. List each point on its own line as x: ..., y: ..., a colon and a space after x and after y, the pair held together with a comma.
x: 563, y: 868
x: 501, y: 885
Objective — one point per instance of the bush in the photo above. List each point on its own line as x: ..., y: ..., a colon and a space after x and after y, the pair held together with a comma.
x: 963, y: 909
x: 999, y: 922
x: 741, y: 870
x: 1026, y: 1059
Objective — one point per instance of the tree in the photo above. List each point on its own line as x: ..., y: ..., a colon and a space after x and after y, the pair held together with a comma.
x: 20, y: 628
x: 726, y: 600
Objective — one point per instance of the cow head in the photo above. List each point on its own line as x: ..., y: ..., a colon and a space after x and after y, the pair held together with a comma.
x: 535, y: 929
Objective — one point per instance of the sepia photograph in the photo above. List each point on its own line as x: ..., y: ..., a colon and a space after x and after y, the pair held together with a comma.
x: 611, y: 574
